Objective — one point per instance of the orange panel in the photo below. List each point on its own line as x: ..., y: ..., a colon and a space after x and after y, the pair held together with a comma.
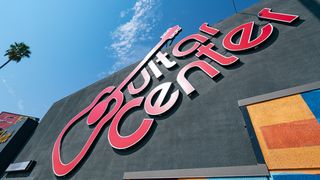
x: 293, y: 134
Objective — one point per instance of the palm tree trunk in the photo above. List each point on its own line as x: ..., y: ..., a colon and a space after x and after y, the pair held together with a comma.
x: 5, y: 63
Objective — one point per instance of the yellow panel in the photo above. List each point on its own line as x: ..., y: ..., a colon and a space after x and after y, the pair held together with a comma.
x: 293, y: 158
x: 278, y: 111
x: 287, y: 109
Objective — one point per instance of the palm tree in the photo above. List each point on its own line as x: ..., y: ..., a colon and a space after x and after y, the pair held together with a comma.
x: 16, y: 52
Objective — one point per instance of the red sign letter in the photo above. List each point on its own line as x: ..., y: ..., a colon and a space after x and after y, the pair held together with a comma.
x: 146, y: 76
x: 204, y: 66
x: 158, y: 108
x: 266, y: 13
x: 177, y: 53
x: 207, y: 29
x: 122, y: 142
x: 245, y: 38
x: 222, y: 60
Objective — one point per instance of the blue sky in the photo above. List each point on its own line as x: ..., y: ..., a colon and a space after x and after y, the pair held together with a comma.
x: 75, y: 43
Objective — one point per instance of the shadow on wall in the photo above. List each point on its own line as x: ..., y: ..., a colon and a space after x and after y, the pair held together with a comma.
x: 313, y: 6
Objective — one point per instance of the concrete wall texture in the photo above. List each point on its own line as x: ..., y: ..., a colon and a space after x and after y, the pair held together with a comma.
x: 205, y: 130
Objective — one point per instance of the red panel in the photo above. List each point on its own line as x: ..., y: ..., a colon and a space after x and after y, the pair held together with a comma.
x: 293, y: 134
x: 7, y: 120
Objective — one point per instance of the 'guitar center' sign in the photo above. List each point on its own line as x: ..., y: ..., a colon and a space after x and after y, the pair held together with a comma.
x: 161, y: 99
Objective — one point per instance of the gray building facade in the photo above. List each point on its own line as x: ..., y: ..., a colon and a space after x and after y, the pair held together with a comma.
x: 203, y: 131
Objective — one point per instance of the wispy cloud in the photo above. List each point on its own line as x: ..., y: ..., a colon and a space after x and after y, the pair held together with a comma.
x: 13, y: 94
x: 20, y: 105
x: 101, y: 75
x: 9, y: 88
x: 124, y: 13
x: 129, y: 37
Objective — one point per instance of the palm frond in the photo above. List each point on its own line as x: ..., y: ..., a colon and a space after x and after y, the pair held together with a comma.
x: 18, y: 51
